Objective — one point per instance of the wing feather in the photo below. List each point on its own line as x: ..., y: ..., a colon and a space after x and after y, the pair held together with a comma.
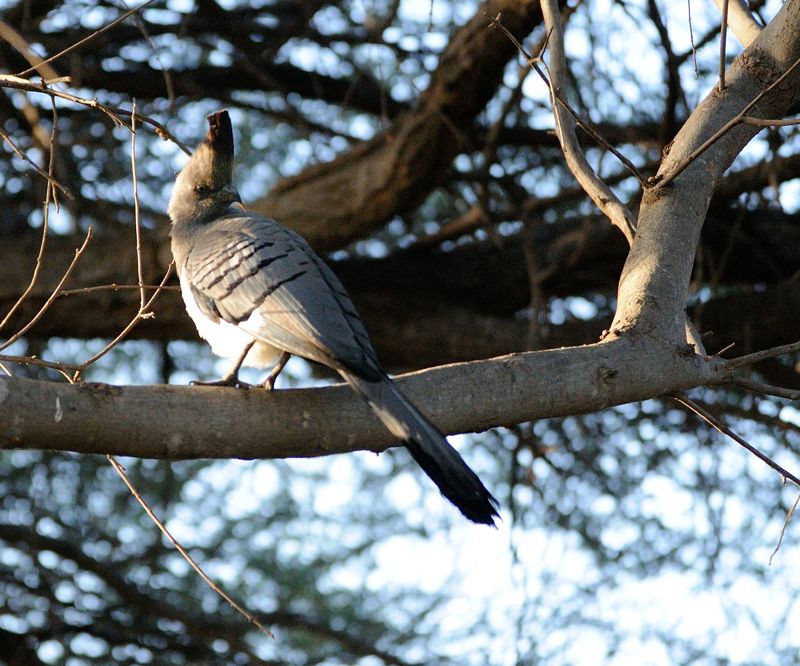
x: 267, y: 280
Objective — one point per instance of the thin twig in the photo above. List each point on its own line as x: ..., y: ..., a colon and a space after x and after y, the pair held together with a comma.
x: 740, y: 20
x: 768, y: 389
x: 725, y: 430
x: 691, y: 41
x: 136, y: 222
x: 786, y: 520
x: 661, y: 181
x: 727, y: 347
x: 184, y: 553
x: 723, y: 42
x: 52, y: 296
x: 88, y: 38
x: 38, y: 169
x: 764, y: 354
x: 115, y: 287
x: 168, y: 84
x: 114, y: 113
x: 770, y: 122
x: 143, y: 313
x: 584, y: 125
x: 45, y: 224
x: 64, y: 368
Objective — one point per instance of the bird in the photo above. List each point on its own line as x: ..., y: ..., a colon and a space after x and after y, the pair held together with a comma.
x: 259, y: 294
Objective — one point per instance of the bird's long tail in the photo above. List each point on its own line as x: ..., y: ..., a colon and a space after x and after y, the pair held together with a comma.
x: 429, y: 448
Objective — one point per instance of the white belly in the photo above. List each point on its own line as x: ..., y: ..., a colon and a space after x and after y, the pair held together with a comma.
x: 227, y: 340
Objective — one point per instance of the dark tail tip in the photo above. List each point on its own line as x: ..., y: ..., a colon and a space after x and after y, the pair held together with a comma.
x: 459, y: 484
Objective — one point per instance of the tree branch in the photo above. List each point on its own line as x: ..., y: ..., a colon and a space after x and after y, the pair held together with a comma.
x: 740, y: 21
x: 359, y: 191
x: 181, y: 422
x: 600, y: 193
x: 654, y: 284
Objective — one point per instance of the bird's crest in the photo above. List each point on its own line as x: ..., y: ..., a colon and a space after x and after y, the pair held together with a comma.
x: 212, y: 162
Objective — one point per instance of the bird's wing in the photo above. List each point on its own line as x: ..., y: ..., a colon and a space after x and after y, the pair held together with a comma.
x: 264, y: 278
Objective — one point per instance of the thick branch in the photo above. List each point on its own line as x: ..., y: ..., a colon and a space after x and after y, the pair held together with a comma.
x: 232, y: 423
x: 359, y: 191
x: 654, y: 283
x: 143, y: 82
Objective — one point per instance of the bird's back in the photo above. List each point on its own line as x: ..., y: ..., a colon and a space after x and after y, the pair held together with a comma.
x: 253, y: 273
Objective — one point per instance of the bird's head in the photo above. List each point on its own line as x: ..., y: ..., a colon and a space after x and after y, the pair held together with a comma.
x: 204, y: 189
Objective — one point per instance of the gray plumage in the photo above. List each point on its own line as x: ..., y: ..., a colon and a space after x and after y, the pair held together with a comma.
x: 253, y: 286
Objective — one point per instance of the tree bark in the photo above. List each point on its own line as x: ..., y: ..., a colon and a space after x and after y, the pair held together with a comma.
x: 199, y: 422
x: 654, y: 285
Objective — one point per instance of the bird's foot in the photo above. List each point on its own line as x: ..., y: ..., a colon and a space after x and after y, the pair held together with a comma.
x: 227, y: 380
x: 269, y: 382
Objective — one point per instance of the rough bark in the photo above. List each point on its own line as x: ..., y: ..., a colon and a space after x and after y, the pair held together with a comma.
x: 233, y: 423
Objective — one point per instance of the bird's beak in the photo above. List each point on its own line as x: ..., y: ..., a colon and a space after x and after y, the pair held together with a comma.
x: 230, y: 189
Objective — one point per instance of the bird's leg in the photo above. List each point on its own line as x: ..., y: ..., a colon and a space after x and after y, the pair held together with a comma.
x: 231, y: 378
x: 269, y: 382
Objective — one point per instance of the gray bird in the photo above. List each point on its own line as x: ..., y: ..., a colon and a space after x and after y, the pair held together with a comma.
x: 258, y: 293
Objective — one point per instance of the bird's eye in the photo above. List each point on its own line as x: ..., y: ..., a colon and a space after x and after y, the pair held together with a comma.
x: 202, y: 190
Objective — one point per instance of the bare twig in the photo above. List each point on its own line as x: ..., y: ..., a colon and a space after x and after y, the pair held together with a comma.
x: 771, y: 122
x: 786, y: 520
x: 723, y: 42
x: 87, y: 39
x: 602, y: 195
x: 768, y: 389
x: 143, y: 313
x: 534, y: 62
x: 764, y: 354
x: 691, y: 40
x: 722, y: 131
x: 52, y: 296
x: 136, y: 222
x: 65, y: 368
x: 114, y: 113
x: 38, y: 169
x: 168, y: 84
x: 184, y: 553
x: 115, y: 287
x: 739, y: 20
x: 50, y: 191
x: 725, y: 430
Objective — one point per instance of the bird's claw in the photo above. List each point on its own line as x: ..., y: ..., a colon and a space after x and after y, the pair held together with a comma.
x: 233, y: 382
x: 269, y: 383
